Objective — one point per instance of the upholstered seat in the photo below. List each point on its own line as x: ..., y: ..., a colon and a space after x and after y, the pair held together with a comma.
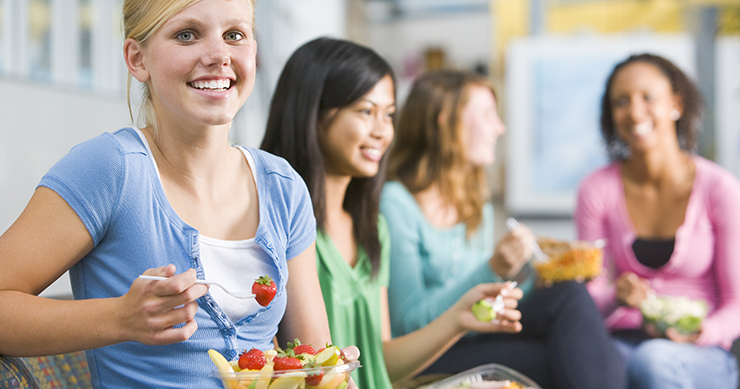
x: 67, y: 371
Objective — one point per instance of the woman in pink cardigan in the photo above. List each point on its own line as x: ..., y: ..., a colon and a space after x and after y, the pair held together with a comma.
x: 671, y: 220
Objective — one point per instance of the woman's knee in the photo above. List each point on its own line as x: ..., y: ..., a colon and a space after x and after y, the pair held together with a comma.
x: 572, y: 294
x: 653, y: 361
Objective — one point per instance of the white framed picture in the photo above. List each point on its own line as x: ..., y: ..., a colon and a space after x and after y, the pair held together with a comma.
x: 554, y: 86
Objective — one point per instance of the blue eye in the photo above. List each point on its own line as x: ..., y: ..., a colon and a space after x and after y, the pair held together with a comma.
x: 234, y: 36
x: 185, y: 36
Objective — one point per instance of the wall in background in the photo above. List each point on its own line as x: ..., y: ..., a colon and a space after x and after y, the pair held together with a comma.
x: 40, y: 125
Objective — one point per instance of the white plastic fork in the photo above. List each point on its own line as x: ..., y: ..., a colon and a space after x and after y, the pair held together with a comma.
x: 235, y: 294
x: 512, y: 224
x: 498, y: 302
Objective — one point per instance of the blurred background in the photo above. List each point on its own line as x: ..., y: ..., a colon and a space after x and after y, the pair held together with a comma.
x: 62, y: 79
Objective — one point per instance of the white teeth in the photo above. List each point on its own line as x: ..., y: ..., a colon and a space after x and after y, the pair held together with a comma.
x: 372, y: 152
x: 212, y: 85
x: 643, y: 128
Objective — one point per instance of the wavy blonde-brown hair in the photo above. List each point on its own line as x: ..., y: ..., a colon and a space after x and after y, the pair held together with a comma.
x: 141, y: 19
x: 429, y: 146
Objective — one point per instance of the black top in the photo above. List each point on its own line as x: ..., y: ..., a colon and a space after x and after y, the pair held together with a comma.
x: 653, y: 253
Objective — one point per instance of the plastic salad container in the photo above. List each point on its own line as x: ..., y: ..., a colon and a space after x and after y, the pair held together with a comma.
x: 681, y: 313
x: 576, y: 260
x: 487, y: 376
x: 334, y: 377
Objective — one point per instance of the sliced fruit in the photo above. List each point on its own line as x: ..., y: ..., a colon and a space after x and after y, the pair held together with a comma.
x: 289, y: 381
x: 329, y: 356
x: 270, y: 354
x: 483, y: 310
x: 235, y: 366
x: 263, y: 379
x: 222, y: 364
x: 331, y: 381
x: 242, y: 384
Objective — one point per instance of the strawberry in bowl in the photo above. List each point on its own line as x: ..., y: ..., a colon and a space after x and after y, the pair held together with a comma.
x: 296, y: 367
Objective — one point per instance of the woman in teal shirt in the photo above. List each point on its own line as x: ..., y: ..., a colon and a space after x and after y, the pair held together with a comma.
x: 442, y: 229
x: 332, y: 119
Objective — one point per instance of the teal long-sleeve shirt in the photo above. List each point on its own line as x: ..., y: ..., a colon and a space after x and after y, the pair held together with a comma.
x: 431, y: 268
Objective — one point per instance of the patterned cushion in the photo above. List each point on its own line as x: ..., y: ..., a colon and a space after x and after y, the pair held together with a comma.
x: 15, y: 375
x: 67, y: 371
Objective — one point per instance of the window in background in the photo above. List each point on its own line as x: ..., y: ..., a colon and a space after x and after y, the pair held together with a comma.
x: 74, y: 44
x: 39, y: 40
x: 86, y: 20
x: 3, y: 38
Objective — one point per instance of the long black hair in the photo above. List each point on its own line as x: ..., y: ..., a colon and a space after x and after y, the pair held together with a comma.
x: 687, y: 126
x: 322, y: 75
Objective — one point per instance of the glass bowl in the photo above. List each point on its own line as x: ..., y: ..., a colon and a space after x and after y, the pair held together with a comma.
x: 486, y: 373
x: 335, y: 377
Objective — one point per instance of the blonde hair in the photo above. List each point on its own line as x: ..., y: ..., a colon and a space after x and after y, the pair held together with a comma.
x: 430, y: 146
x: 141, y: 19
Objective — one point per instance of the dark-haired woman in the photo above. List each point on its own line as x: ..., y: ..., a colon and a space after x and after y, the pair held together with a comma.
x: 332, y: 119
x: 672, y: 222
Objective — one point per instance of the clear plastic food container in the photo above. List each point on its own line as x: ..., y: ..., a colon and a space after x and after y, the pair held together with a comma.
x: 334, y: 377
x: 486, y: 376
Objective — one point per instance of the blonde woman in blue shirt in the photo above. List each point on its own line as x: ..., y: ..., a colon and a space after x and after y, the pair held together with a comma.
x: 171, y: 199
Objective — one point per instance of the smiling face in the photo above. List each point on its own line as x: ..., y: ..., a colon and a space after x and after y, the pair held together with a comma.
x: 481, y: 126
x: 355, y: 137
x: 200, y: 65
x: 642, y: 100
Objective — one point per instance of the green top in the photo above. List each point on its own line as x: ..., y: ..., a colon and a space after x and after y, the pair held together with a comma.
x: 352, y: 299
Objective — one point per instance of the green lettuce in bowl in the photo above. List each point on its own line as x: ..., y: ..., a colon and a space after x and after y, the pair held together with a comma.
x: 681, y: 313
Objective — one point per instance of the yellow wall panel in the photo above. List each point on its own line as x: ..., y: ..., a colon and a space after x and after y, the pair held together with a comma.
x: 729, y: 21
x: 617, y: 16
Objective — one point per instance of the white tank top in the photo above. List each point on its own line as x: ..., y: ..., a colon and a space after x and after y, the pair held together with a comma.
x: 234, y: 264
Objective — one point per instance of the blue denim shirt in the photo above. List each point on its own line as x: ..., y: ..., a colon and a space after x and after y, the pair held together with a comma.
x: 112, y: 184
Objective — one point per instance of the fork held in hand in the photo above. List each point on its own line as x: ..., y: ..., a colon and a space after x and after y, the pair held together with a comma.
x: 512, y: 224
x: 206, y: 282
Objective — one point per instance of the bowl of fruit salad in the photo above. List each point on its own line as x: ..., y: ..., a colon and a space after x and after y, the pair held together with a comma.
x: 297, y: 367
x: 488, y: 376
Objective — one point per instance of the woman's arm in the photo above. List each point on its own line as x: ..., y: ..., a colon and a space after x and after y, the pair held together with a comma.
x: 305, y: 313
x: 44, y: 242
x: 408, y: 355
x: 723, y: 325
x: 589, y: 220
x: 412, y: 303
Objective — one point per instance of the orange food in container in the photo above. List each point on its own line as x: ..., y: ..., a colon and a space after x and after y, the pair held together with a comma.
x: 575, y: 260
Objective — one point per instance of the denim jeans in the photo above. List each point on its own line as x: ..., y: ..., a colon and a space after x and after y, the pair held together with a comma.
x: 661, y: 363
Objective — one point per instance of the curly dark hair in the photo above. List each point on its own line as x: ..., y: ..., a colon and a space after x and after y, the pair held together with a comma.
x: 687, y: 126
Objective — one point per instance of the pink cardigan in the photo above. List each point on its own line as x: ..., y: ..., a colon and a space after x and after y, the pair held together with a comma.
x: 705, y: 262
